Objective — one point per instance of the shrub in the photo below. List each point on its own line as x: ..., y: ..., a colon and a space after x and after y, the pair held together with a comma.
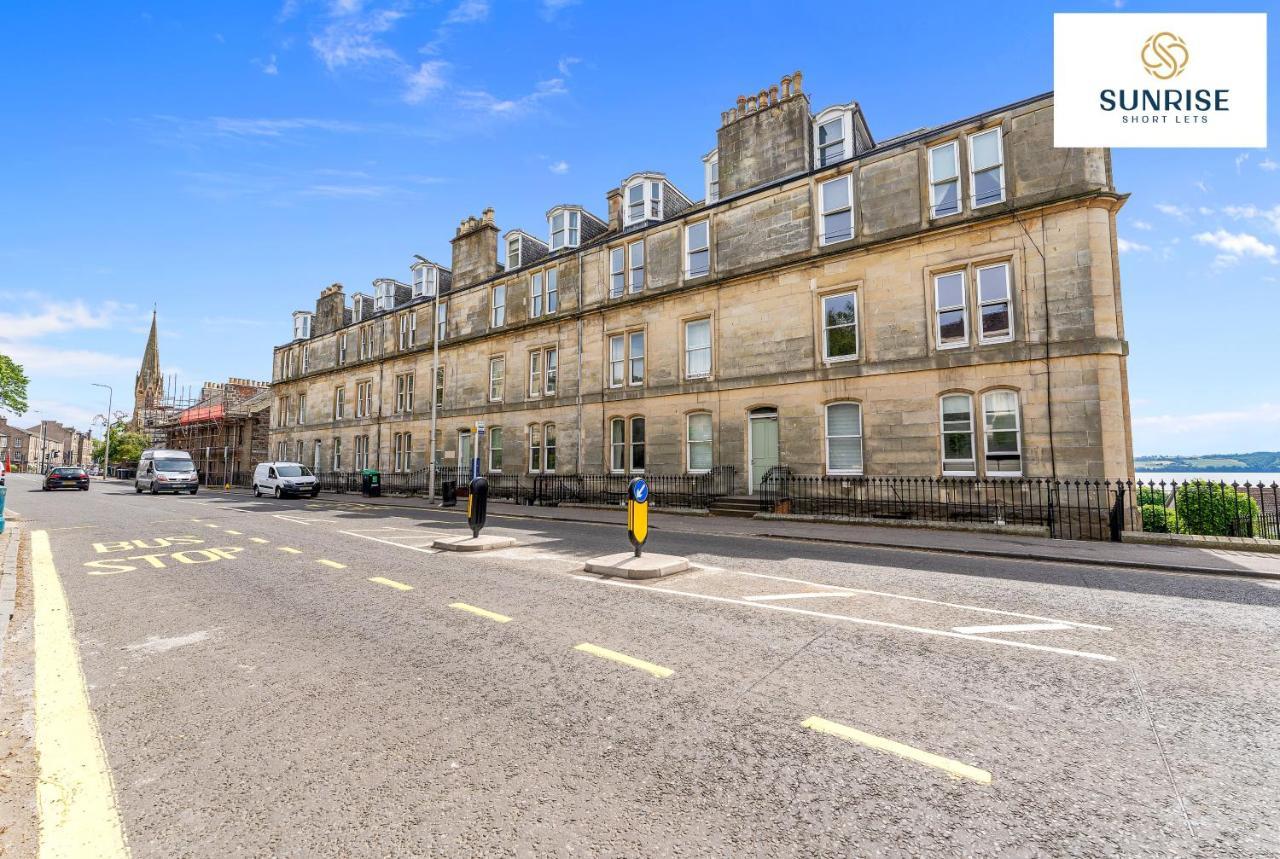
x: 1152, y: 495
x: 1215, y: 509
x: 1158, y: 519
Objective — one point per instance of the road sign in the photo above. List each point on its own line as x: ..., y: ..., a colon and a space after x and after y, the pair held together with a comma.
x: 638, y: 513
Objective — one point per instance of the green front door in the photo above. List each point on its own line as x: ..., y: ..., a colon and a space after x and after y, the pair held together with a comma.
x: 763, y: 444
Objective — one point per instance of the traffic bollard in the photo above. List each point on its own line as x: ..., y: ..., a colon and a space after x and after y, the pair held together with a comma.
x: 638, y: 513
x: 477, y: 505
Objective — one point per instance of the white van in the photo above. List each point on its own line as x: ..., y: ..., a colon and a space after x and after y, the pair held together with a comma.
x: 284, y: 478
x: 161, y: 470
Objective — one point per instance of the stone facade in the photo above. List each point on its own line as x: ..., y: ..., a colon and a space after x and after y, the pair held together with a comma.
x: 768, y: 381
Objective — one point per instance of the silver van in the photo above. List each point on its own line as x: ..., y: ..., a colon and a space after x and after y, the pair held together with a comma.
x: 161, y: 470
x: 284, y: 478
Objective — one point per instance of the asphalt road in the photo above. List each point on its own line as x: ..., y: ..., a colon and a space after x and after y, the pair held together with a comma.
x: 296, y: 678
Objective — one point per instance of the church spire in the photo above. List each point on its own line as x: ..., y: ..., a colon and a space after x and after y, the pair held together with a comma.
x: 148, y: 387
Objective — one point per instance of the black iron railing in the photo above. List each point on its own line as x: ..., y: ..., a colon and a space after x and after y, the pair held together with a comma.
x: 1071, y: 509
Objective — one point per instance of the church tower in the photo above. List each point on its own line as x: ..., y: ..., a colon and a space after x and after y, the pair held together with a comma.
x: 148, y: 388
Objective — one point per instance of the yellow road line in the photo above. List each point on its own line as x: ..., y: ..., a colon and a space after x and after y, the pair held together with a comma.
x: 210, y: 525
x: 258, y: 540
x: 952, y: 768
x: 75, y: 794
x: 291, y: 551
x: 631, y: 661
x: 229, y: 531
x: 481, y: 612
x: 333, y: 564
x: 391, y: 583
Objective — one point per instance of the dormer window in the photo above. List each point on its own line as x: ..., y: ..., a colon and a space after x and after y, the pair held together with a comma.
x: 833, y: 136
x: 424, y: 281
x: 384, y: 295
x: 711, y: 167
x: 513, y: 252
x: 566, y: 229
x: 301, y: 326
x: 643, y: 201
x: 360, y: 306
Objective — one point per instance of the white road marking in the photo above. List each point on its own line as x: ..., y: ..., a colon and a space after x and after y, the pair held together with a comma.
x: 293, y: 519
x: 154, y: 644
x: 920, y: 599
x: 862, y: 621
x: 391, y: 543
x: 1013, y: 627
x: 805, y: 596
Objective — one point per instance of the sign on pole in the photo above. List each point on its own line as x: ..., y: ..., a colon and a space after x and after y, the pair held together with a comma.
x: 638, y: 513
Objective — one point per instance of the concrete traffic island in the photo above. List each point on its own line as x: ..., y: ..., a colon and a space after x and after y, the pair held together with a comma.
x: 648, y: 566
x: 483, y: 543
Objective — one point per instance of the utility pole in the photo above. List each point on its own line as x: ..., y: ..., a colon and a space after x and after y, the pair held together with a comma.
x: 106, y: 466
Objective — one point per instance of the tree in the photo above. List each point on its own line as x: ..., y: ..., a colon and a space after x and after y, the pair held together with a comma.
x: 125, y: 446
x: 13, y: 386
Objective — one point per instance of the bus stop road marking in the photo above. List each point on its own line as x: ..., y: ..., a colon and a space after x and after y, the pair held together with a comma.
x: 75, y: 795
x: 229, y: 531
x: 1013, y: 627
x: 290, y: 550
x: 480, y: 612
x: 333, y: 564
x: 623, y: 659
x: 258, y: 540
x: 955, y: 769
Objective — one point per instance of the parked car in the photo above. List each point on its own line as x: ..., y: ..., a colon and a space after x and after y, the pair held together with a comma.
x: 284, y: 478
x: 66, y: 477
x: 162, y: 470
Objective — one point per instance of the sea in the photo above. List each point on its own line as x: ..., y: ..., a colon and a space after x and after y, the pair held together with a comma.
x: 1266, y: 478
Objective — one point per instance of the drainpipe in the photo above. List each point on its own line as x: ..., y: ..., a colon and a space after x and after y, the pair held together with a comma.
x: 435, y: 374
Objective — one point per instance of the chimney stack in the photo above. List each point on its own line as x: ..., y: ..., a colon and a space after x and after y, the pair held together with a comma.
x: 475, y: 250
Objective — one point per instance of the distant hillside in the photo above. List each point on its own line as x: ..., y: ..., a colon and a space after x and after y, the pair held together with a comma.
x: 1262, y: 460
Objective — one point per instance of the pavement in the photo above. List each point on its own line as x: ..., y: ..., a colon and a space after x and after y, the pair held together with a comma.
x: 306, y: 677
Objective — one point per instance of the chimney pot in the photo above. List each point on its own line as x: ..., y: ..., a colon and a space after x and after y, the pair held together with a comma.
x: 797, y: 78
x: 786, y: 86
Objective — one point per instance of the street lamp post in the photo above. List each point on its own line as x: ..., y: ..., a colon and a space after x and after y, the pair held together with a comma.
x: 106, y: 465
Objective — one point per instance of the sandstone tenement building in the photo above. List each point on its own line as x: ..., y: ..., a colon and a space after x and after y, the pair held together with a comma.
x: 945, y: 302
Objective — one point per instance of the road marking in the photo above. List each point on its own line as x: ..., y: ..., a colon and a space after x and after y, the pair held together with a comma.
x: 952, y: 768
x: 631, y: 661
x: 391, y: 583
x: 75, y: 794
x: 862, y: 621
x: 492, y: 615
x: 290, y: 550
x: 333, y: 564
x: 1013, y: 627
x: 229, y: 531
x: 197, y: 520
x: 920, y: 599
x: 760, y: 597
x: 257, y: 540
x: 292, y: 519
x: 392, y: 543
x: 210, y: 525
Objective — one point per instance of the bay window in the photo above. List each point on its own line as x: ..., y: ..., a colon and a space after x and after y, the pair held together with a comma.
x: 642, y: 201
x: 566, y: 227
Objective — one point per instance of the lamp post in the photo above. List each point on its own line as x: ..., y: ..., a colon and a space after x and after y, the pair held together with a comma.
x: 106, y: 465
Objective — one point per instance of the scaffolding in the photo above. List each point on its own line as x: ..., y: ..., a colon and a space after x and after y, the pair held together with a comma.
x: 224, y: 430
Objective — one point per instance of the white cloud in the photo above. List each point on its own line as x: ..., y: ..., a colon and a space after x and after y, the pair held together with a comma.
x: 1203, y: 186
x: 1172, y: 210
x: 42, y: 362
x: 551, y: 8
x: 468, y: 12
x: 428, y: 79
x: 1141, y: 225
x: 559, y: 168
x: 269, y: 67
x: 1264, y: 413
x: 1269, y: 165
x: 566, y: 65
x: 352, y: 38
x: 242, y: 127
x: 1240, y: 159
x: 1235, y: 246
x: 1127, y: 246
x: 58, y: 318
x: 1250, y: 212
x: 485, y: 102
x: 1205, y: 210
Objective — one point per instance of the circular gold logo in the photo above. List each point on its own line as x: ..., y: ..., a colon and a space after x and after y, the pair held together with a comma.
x: 1164, y: 56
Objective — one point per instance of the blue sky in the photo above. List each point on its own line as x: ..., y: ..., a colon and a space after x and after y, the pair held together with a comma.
x: 226, y: 161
